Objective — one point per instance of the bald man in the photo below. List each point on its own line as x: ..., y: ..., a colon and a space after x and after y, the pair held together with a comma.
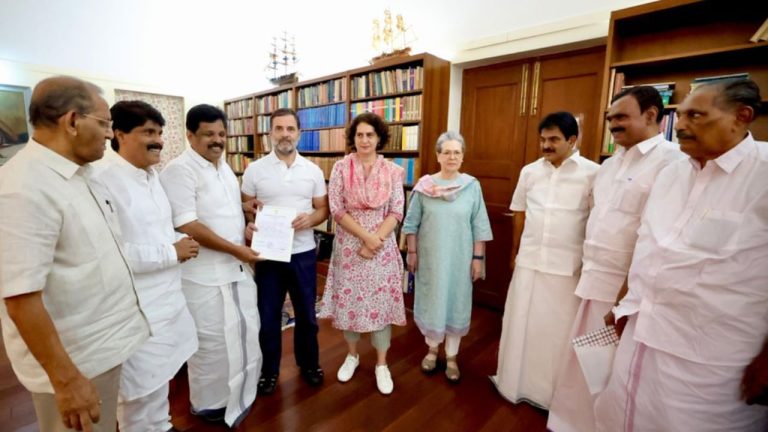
x: 70, y: 315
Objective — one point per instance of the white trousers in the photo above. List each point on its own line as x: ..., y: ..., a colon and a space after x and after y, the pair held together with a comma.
x: 452, y: 342
x: 150, y: 413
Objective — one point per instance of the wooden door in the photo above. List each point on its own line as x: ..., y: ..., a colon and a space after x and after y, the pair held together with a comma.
x: 494, y: 107
x: 568, y: 82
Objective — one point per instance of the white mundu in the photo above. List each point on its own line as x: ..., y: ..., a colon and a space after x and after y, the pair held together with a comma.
x: 219, y: 289
x: 619, y: 194
x: 148, y: 237
x: 541, y: 304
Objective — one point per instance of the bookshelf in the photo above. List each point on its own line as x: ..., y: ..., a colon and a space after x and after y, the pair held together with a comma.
x: 681, y: 42
x: 410, y: 93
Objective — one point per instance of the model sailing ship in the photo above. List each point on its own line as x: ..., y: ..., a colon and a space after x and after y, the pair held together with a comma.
x: 283, y: 58
x: 388, y: 42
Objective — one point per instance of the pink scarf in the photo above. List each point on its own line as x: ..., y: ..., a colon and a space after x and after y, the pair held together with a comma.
x: 366, y: 193
x: 428, y: 187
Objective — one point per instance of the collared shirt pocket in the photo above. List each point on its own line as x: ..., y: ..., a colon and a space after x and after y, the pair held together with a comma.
x: 715, y: 230
x: 632, y: 198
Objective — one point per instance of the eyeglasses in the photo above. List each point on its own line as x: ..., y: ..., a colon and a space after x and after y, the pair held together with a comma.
x: 107, y: 124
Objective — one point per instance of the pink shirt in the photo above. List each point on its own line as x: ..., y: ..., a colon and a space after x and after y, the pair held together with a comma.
x: 699, y: 275
x: 620, y: 191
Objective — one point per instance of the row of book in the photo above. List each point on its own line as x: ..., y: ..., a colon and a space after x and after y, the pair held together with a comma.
x: 238, y: 162
x: 412, y: 167
x: 322, y: 140
x: 239, y: 144
x: 264, y: 143
x: 241, y: 108
x: 262, y: 124
x: 323, y: 93
x: 403, y: 138
x: 267, y: 104
x: 390, y: 109
x: 324, y: 116
x: 325, y: 163
x: 388, y: 82
x: 240, y: 126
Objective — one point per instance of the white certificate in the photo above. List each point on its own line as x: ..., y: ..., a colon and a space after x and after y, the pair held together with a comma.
x: 273, y: 238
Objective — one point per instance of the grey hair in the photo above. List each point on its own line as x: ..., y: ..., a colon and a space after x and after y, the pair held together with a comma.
x: 53, y: 97
x: 450, y: 136
x: 732, y: 93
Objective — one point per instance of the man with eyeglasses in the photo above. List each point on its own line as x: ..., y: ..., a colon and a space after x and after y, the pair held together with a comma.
x: 70, y: 315
x: 218, y: 285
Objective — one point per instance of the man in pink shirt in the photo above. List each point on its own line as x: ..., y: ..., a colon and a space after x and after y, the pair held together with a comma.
x: 693, y: 354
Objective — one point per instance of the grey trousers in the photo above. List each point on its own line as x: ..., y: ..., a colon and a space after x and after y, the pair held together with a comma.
x: 107, y: 384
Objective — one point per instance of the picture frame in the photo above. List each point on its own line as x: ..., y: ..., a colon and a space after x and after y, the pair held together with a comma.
x: 15, y: 129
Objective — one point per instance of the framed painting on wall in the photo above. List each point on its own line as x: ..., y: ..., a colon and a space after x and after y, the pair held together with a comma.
x: 14, y: 124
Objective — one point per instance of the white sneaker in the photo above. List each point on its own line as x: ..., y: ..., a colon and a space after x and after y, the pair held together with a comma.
x: 347, y: 369
x: 384, y: 379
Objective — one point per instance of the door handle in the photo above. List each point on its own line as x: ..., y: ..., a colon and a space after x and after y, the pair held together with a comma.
x: 535, y: 88
x: 524, y: 89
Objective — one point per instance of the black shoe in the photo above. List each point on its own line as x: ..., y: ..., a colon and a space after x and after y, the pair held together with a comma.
x: 313, y: 377
x: 267, y: 384
x: 211, y: 415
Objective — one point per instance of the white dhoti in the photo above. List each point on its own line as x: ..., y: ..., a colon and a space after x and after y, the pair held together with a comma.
x: 143, y: 398
x: 651, y: 390
x: 538, y: 315
x: 573, y: 407
x: 224, y: 372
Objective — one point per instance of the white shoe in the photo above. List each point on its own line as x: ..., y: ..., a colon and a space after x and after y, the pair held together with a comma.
x: 348, y: 368
x: 384, y: 380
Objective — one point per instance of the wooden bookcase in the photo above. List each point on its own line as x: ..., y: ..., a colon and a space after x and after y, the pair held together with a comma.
x: 680, y: 40
x: 417, y: 103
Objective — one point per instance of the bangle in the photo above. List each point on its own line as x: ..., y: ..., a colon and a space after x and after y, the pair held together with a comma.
x: 478, y: 257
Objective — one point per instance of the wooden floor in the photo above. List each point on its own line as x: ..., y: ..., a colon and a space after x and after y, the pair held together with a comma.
x: 419, y: 402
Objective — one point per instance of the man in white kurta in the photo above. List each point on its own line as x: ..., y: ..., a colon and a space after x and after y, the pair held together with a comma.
x: 620, y: 190
x: 697, y: 296
x: 218, y: 284
x: 151, y: 247
x: 554, y: 194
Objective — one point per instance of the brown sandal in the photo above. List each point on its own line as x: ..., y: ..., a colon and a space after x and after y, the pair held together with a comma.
x: 429, y: 363
x: 452, y: 373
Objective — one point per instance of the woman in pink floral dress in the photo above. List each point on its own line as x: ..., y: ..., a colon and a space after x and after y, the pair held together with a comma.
x: 363, y: 293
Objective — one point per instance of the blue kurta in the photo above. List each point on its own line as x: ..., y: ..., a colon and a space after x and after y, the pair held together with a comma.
x: 446, y: 232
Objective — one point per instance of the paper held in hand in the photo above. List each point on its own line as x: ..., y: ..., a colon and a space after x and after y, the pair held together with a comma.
x: 595, y: 351
x: 273, y: 238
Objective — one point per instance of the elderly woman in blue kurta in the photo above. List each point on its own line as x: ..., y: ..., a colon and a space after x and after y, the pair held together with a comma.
x: 446, y: 227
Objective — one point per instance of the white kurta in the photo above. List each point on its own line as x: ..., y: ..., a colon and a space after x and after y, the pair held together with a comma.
x: 697, y: 297
x: 219, y: 289
x: 619, y: 194
x: 145, y: 220
x: 541, y: 303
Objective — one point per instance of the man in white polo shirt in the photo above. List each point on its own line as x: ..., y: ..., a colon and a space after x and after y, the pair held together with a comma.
x: 70, y: 315
x: 619, y: 195
x: 693, y: 355
x: 221, y: 295
x: 285, y: 178
x: 551, y: 206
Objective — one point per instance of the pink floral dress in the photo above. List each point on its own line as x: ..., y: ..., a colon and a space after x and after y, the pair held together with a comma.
x: 364, y: 295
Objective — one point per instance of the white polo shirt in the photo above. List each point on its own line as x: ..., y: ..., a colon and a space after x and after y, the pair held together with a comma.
x: 201, y: 191
x: 556, y: 206
x: 699, y: 274
x: 620, y: 191
x: 271, y: 181
x: 60, y: 237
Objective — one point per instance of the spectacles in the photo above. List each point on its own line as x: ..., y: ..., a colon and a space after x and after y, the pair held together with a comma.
x: 107, y: 124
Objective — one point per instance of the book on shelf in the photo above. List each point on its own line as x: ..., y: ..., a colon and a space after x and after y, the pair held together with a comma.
x: 710, y: 79
x: 411, y: 168
x: 403, y: 138
x: 324, y: 116
x: 240, y: 126
x: 390, y: 109
x: 238, y: 162
x: 388, y: 82
x: 269, y: 103
x: 265, y: 145
x: 241, y: 108
x: 262, y: 124
x: 665, y: 89
x: 322, y: 140
x: 238, y: 144
x: 323, y: 93
x: 761, y: 34
x: 325, y: 163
